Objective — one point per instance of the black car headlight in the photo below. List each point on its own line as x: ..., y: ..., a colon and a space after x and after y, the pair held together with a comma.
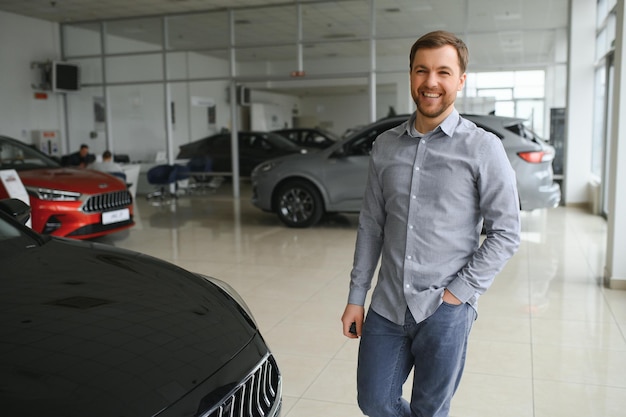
x: 53, y: 195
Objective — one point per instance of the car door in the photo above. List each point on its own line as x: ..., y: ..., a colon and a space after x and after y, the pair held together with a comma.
x: 254, y: 148
x: 346, y: 169
x: 219, y: 150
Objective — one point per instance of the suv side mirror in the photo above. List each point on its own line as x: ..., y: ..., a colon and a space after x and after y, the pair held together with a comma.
x: 17, y: 209
x: 340, y: 152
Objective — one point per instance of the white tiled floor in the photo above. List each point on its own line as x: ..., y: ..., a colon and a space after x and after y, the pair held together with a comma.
x: 549, y: 341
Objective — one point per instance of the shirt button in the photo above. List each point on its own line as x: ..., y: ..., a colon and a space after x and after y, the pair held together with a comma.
x: 413, y: 197
x: 417, y: 168
x: 408, y: 257
x: 411, y: 227
x: 408, y: 286
x: 423, y: 141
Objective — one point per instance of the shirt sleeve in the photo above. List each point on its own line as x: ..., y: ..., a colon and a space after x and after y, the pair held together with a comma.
x: 369, y: 238
x: 499, y: 207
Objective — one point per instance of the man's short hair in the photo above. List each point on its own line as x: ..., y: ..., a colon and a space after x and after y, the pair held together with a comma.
x: 438, y: 39
x: 106, y: 154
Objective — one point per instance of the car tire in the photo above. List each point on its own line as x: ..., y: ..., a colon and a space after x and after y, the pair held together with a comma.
x: 299, y: 204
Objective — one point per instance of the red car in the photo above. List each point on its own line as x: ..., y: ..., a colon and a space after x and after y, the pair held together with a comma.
x: 67, y: 202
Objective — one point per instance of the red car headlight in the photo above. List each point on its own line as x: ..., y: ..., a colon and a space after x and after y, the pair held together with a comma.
x: 53, y: 195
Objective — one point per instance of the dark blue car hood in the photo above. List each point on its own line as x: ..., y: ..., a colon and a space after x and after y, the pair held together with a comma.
x: 90, y: 330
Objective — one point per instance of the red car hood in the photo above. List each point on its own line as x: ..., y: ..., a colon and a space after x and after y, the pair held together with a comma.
x: 84, y: 181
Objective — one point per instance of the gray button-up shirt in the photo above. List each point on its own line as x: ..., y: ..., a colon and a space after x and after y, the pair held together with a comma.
x: 422, y: 212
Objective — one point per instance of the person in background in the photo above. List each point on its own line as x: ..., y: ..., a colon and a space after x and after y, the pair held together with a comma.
x: 82, y: 158
x: 433, y: 182
x: 107, y: 164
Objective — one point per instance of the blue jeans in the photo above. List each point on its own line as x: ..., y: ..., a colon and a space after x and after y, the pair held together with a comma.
x: 435, y: 350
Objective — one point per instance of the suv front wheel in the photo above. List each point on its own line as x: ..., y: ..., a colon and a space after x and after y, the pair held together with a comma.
x: 299, y: 204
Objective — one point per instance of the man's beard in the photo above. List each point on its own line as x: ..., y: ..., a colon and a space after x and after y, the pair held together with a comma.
x: 435, y: 112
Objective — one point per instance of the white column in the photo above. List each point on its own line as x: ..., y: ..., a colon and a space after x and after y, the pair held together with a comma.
x: 579, y: 123
x: 615, y: 267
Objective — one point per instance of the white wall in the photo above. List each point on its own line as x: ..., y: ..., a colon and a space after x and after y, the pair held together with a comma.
x: 579, y: 123
x: 23, y: 41
x: 615, y: 267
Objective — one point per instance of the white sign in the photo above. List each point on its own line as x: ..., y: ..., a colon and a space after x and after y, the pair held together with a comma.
x: 14, y: 187
x: 115, y: 216
x: 202, y: 101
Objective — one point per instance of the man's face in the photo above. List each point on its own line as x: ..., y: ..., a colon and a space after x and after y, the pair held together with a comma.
x: 84, y: 151
x: 435, y: 80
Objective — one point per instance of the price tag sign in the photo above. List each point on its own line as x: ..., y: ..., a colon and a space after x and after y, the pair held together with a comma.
x: 14, y: 187
x: 115, y: 216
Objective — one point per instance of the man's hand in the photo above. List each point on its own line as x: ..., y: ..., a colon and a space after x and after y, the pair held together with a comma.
x: 449, y: 298
x: 353, y: 314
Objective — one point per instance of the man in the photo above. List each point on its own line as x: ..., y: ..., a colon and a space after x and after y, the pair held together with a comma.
x: 81, y: 158
x: 107, y: 164
x: 431, y: 182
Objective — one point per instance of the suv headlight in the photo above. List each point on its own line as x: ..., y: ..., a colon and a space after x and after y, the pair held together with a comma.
x: 53, y: 195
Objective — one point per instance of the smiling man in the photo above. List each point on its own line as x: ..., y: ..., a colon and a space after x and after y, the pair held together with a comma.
x: 432, y: 183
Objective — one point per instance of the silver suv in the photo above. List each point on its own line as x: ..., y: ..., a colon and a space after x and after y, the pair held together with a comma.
x: 301, y: 188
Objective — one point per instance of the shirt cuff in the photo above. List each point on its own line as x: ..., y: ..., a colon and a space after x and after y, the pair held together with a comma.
x: 357, y: 296
x: 461, y: 290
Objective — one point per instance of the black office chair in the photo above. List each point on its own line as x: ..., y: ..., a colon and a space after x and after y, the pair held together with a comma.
x: 163, y: 177
x: 199, y: 167
x: 122, y: 176
x: 119, y: 175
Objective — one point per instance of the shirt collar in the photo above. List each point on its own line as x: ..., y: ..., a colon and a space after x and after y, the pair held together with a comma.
x: 447, y: 126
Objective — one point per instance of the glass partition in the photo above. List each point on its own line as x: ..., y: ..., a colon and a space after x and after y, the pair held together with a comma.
x: 393, y: 54
x: 133, y: 35
x: 86, y: 116
x: 90, y: 70
x: 266, y: 60
x: 337, y: 57
x: 198, y: 31
x: 134, y: 68
x: 252, y: 28
x: 410, y: 18
x: 81, y: 39
x: 316, y: 18
x: 336, y: 47
x: 393, y: 94
x: 137, y: 121
x: 198, y: 64
x: 198, y: 110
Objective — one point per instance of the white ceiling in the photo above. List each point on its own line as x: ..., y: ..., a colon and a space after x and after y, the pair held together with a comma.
x: 501, y: 34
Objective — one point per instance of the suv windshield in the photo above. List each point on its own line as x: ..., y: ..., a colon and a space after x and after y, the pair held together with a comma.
x: 521, y: 130
x: 21, y: 157
x: 8, y: 231
x: 361, y: 142
x: 13, y: 241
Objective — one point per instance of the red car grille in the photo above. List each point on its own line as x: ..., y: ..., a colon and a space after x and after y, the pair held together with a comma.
x: 109, y: 201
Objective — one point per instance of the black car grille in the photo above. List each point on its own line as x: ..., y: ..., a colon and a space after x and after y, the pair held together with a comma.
x: 109, y: 201
x: 255, y: 396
